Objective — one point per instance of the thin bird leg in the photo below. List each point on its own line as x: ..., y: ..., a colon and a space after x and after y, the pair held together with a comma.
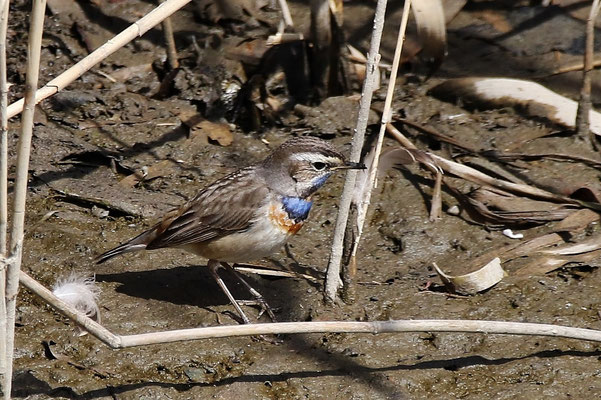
x: 213, y: 267
x: 259, y: 299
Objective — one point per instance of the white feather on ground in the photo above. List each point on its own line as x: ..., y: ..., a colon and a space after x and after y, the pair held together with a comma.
x: 80, y: 292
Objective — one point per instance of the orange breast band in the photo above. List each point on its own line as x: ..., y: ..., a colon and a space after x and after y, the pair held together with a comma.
x: 280, y: 219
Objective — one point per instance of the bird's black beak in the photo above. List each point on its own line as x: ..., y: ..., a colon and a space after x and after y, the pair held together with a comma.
x: 352, y: 165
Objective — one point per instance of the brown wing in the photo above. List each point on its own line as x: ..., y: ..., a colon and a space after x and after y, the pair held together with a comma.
x: 228, y: 205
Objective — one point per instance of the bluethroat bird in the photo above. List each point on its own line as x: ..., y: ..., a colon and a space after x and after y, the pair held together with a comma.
x: 248, y: 214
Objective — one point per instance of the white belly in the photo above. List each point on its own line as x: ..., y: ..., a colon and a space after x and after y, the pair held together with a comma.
x: 262, y: 239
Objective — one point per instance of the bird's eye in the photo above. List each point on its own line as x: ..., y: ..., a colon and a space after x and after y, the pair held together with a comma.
x: 319, y: 166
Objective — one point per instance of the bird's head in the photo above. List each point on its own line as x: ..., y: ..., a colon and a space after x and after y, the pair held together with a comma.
x: 302, y: 165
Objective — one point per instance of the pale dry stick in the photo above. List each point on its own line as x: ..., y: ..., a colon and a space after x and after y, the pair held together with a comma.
x: 274, y: 272
x: 399, y: 137
x: 170, y: 42
x: 374, y: 327
x: 34, y: 49
x: 3, y: 128
x: 138, y: 28
x: 386, y: 116
x: 3, y: 177
x: 436, y: 206
x: 373, y: 58
x: 281, y: 38
x: 576, y: 66
x: 286, y: 13
x: 584, y: 104
x: 473, y: 175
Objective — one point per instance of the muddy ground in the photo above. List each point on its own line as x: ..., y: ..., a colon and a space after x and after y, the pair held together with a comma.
x: 92, y: 136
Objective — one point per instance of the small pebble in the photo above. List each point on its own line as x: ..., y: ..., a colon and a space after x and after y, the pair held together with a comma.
x: 454, y: 210
x: 99, y: 212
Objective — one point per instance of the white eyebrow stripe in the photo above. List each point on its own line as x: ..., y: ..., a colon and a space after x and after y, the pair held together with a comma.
x: 315, y: 157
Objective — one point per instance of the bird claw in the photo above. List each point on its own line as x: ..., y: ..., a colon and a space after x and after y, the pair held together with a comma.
x: 264, y: 307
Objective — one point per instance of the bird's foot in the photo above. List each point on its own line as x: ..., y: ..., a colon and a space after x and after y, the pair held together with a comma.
x: 263, y: 305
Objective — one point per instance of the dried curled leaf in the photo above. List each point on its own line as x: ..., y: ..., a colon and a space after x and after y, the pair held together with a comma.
x: 474, y: 282
x: 527, y: 96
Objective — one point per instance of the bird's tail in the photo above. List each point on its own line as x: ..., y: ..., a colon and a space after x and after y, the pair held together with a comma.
x: 138, y: 243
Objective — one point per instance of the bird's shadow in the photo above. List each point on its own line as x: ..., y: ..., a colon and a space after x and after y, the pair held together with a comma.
x: 186, y: 285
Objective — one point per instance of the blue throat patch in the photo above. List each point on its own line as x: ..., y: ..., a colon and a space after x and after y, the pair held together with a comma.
x: 297, y: 208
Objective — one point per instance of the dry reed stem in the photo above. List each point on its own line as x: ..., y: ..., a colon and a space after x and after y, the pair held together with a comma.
x: 333, y: 281
x: 374, y: 327
x: 286, y: 16
x: 436, y: 206
x: 3, y: 128
x: 170, y: 42
x: 3, y: 177
x: 34, y: 48
x: 584, y: 104
x: 473, y: 175
x: 138, y: 28
x: 386, y: 116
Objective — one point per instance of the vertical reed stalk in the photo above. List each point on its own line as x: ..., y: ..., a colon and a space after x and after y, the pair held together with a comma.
x: 23, y: 152
x: 170, y: 42
x: 3, y: 177
x: 373, y: 58
x: 584, y: 104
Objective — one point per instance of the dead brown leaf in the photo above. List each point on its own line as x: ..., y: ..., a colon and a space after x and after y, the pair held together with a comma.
x: 202, y: 129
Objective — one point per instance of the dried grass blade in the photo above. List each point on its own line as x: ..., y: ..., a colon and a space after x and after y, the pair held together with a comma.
x: 592, y: 244
x: 545, y: 264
